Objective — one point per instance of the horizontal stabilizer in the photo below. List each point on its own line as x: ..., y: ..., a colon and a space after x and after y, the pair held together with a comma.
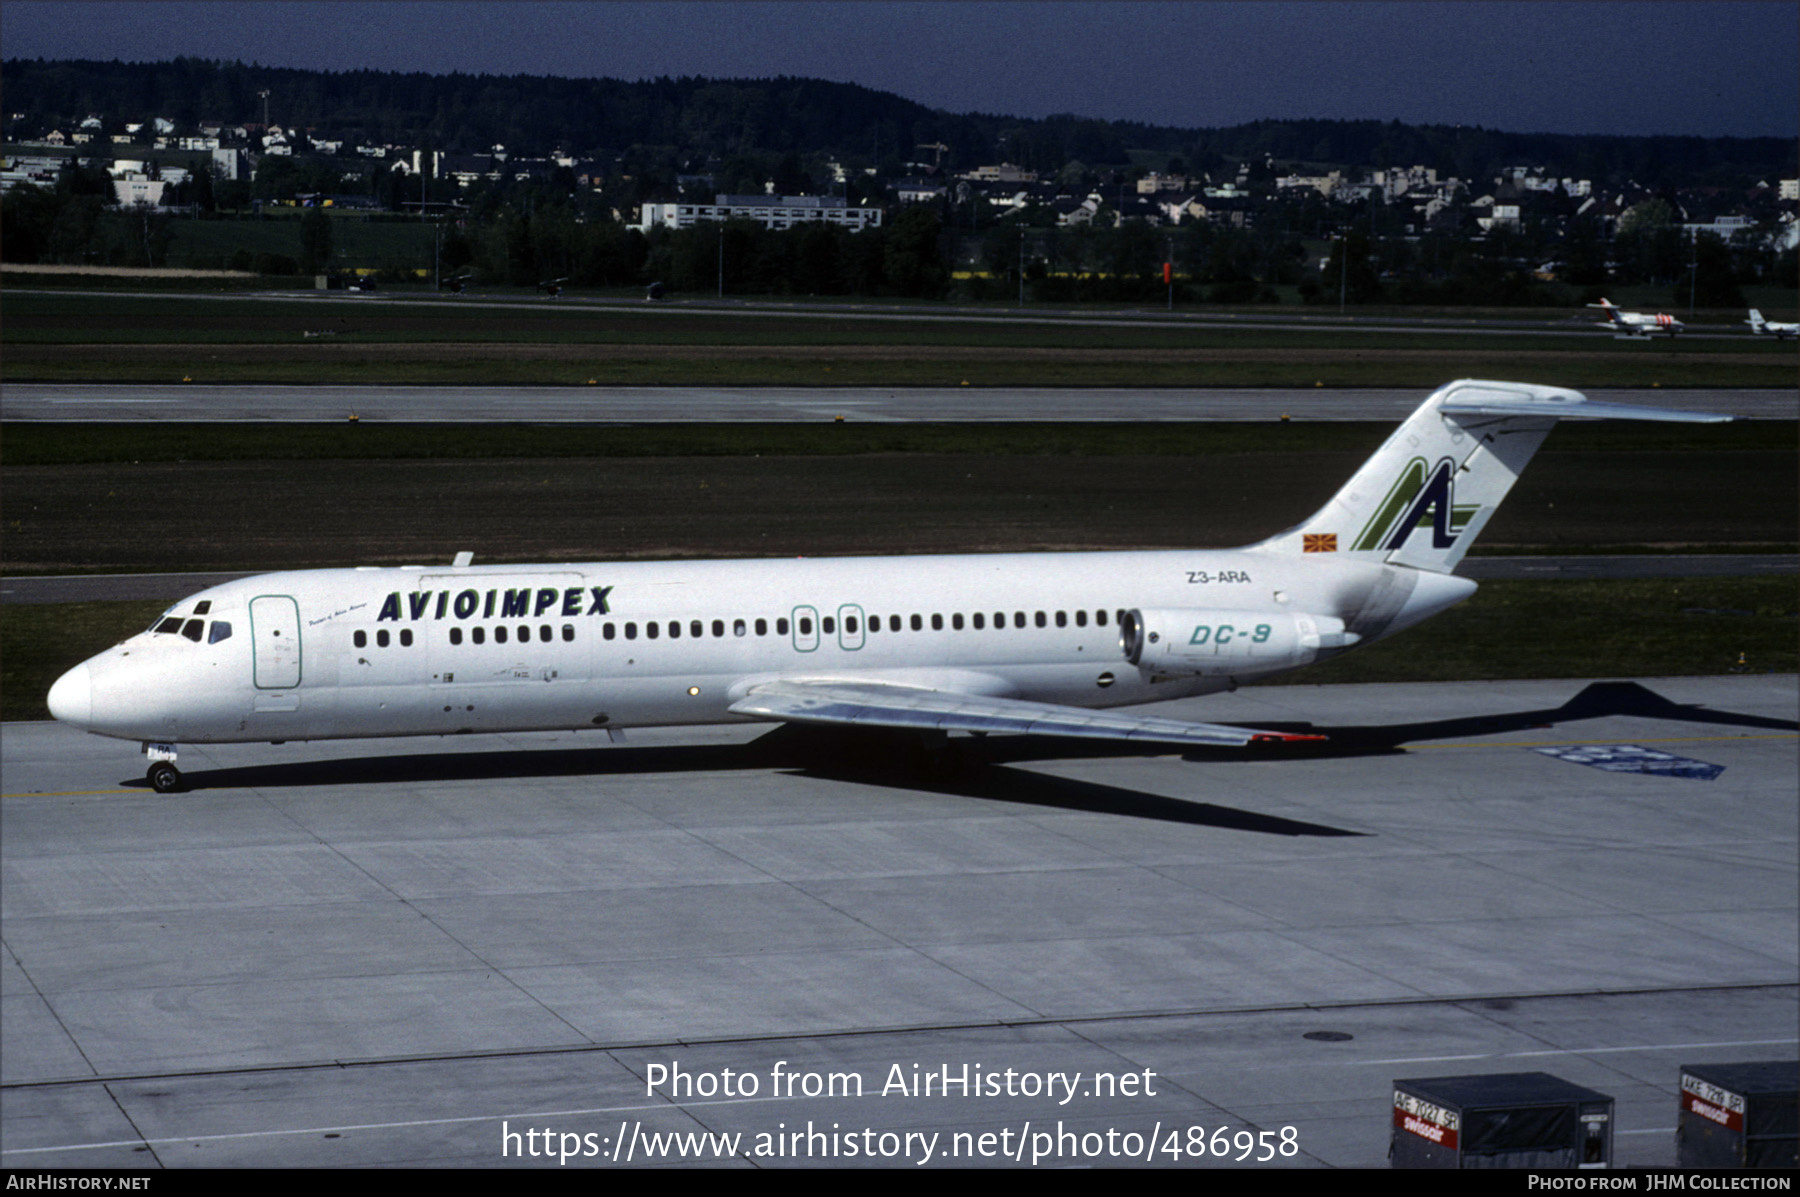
x: 1574, y: 407
x: 855, y: 704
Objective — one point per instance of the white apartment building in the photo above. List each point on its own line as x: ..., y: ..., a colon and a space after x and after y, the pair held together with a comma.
x: 772, y: 211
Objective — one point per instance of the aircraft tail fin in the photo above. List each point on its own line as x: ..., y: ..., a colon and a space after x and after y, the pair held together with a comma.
x: 1612, y: 312
x: 1426, y: 494
x: 1755, y: 321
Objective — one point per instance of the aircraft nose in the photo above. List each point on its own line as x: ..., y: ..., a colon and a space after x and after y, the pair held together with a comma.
x: 71, y: 699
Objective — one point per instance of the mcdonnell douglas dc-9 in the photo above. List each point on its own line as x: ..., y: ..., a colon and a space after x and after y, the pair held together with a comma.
x: 1049, y: 643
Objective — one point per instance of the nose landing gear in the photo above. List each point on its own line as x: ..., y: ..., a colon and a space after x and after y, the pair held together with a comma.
x: 164, y: 777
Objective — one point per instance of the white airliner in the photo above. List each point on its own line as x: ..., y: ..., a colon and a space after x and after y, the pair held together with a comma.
x: 1029, y: 642
x: 1638, y: 324
x: 1779, y: 329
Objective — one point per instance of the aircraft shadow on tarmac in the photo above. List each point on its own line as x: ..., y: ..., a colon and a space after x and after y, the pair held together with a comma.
x: 974, y: 767
x: 1598, y: 700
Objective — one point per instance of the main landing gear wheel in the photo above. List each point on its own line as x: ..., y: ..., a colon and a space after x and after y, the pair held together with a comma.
x: 164, y: 778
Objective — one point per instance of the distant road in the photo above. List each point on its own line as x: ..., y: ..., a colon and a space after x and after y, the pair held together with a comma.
x: 236, y: 403
x: 88, y: 588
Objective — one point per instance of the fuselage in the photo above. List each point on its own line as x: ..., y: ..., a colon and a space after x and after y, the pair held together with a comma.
x: 331, y: 653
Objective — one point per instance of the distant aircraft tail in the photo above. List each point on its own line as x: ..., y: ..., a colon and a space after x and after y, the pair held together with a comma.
x: 1425, y: 495
x: 1612, y: 312
x: 1755, y: 321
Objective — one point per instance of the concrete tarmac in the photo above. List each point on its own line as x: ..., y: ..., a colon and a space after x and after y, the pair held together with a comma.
x: 239, y: 403
x: 459, y: 951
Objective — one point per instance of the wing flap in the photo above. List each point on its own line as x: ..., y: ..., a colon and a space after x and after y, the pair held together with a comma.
x: 874, y: 705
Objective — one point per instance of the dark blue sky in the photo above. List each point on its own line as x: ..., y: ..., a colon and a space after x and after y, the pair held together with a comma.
x: 1721, y: 67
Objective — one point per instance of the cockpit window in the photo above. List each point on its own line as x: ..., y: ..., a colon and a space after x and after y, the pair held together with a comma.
x: 220, y: 631
x: 172, y: 624
x: 203, y: 607
x: 193, y: 628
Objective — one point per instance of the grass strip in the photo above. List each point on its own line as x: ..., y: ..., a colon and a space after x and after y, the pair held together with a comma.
x: 203, y: 515
x: 46, y: 443
x: 325, y: 362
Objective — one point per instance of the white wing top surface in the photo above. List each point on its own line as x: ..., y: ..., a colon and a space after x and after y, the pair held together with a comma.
x: 876, y: 704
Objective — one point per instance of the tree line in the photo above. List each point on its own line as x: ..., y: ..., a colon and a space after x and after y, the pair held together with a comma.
x: 672, y: 121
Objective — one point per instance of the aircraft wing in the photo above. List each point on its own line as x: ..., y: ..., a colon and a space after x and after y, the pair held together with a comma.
x: 876, y: 704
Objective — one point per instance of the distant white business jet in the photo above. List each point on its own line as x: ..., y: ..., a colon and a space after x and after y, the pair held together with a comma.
x: 1780, y: 330
x: 1032, y: 642
x: 1638, y: 324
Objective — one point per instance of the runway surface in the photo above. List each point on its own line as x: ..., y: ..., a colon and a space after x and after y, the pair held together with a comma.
x: 1588, y: 324
x: 236, y: 403
x: 398, y: 952
x: 89, y: 588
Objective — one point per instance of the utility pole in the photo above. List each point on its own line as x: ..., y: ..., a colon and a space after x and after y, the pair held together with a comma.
x: 1021, y: 267
x: 1694, y: 275
x: 721, y: 261
x: 1343, y: 271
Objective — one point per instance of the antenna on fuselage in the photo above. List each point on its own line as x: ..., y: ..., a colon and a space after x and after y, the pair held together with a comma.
x: 462, y: 559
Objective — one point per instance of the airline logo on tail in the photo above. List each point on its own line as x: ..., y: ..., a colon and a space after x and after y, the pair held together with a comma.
x: 1420, y: 497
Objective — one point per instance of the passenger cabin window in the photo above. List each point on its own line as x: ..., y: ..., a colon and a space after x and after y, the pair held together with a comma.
x: 937, y: 623
x: 405, y: 636
x: 631, y: 631
x: 606, y: 631
x: 918, y: 623
x: 956, y: 622
x: 1081, y: 619
x: 361, y: 639
x: 737, y: 627
x: 568, y: 631
x: 1062, y: 619
x: 381, y: 638
x: 456, y: 635
x: 478, y: 634
x: 762, y: 628
x: 980, y: 621
x: 500, y: 634
x: 829, y: 624
x: 893, y: 623
x: 544, y: 633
